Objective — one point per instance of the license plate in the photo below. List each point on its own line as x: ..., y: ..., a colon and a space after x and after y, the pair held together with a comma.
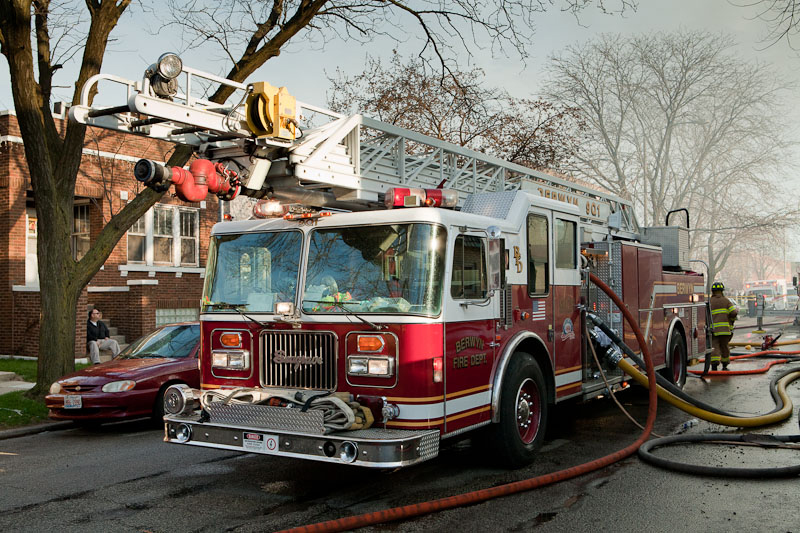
x: 73, y: 401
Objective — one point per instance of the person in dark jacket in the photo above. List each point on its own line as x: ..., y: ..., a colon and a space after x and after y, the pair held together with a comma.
x: 98, y: 338
x: 723, y: 314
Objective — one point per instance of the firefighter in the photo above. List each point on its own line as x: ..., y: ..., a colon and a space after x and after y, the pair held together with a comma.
x: 723, y: 314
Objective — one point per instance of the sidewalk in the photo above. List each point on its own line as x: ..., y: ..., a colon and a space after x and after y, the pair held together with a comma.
x: 10, y: 382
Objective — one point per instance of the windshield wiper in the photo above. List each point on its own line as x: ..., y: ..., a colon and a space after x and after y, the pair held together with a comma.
x: 225, y: 305
x: 341, y: 306
x: 238, y: 309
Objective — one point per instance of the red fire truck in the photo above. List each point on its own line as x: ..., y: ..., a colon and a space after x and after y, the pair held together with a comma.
x: 396, y: 290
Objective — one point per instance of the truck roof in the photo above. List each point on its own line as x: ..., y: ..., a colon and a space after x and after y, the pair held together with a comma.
x: 506, y: 210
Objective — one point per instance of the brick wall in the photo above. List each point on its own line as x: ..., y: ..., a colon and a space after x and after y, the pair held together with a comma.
x: 101, y: 180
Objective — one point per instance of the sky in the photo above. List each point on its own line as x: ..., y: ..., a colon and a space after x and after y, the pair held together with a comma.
x: 305, y: 72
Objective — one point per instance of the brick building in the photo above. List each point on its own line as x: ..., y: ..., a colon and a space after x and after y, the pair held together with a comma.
x: 153, y: 276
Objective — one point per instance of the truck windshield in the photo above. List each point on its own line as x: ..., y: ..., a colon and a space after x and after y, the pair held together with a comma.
x: 376, y: 269
x: 252, y: 271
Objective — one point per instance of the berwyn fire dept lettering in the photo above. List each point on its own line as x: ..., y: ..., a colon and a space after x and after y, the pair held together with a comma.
x: 280, y: 357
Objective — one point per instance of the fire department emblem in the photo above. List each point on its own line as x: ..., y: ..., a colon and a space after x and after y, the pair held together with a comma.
x: 567, y: 330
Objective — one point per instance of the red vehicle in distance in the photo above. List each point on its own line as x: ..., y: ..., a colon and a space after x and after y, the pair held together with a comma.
x: 132, y: 384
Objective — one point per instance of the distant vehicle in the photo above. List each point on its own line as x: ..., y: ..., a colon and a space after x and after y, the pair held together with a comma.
x: 132, y: 384
x: 773, y: 291
x: 792, y: 298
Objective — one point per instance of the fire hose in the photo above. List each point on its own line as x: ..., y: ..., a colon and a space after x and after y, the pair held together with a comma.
x: 783, y: 410
x: 675, y: 396
x: 471, y: 498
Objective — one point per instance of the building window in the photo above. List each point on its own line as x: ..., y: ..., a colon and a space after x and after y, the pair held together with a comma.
x: 137, y: 236
x: 171, y: 316
x: 165, y: 235
x: 163, y: 239
x: 188, y: 237
x: 80, y: 231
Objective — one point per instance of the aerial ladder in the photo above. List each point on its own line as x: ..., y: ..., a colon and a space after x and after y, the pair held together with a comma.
x: 268, y: 145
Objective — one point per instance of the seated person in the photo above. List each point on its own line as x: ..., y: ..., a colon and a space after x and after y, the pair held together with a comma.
x: 98, y: 338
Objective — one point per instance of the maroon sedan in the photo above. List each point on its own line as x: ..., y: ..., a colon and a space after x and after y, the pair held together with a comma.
x: 133, y: 383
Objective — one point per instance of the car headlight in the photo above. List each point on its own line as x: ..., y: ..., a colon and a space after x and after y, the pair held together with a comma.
x: 55, y: 388
x: 119, y: 386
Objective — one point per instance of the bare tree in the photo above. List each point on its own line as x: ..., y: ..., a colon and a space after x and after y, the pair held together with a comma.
x: 249, y: 33
x: 461, y: 109
x: 782, y: 18
x: 675, y: 120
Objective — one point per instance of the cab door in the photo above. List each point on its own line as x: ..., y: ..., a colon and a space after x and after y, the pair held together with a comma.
x: 471, y: 317
x: 566, y: 295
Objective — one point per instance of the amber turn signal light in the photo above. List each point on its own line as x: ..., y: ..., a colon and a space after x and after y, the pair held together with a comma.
x: 370, y: 343
x: 231, y: 339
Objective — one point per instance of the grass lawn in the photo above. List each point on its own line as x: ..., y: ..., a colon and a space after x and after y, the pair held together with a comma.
x: 15, y: 409
x: 24, y: 368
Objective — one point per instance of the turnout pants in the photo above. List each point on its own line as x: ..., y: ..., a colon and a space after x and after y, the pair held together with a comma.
x: 720, y: 349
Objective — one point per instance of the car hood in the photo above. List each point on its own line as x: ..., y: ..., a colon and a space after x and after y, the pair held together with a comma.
x: 122, y: 369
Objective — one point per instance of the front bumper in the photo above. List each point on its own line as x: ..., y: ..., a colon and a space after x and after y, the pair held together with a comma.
x: 268, y: 430
x: 104, y: 405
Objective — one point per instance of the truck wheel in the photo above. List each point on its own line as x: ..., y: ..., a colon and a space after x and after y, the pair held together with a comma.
x: 676, y: 369
x: 523, y: 412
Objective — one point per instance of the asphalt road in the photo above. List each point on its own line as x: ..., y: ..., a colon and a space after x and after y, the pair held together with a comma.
x: 124, y: 478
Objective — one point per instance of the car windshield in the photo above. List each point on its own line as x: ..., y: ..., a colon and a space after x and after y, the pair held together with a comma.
x: 394, y: 268
x: 252, y: 271
x: 173, y: 342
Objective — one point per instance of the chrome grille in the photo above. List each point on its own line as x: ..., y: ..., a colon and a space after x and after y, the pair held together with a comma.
x: 305, y: 360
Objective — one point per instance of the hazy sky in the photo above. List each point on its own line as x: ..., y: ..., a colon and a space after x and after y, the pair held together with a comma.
x: 304, y: 72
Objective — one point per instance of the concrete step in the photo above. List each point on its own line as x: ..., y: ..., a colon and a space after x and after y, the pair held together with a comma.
x: 8, y: 376
x: 112, y: 330
x: 119, y: 338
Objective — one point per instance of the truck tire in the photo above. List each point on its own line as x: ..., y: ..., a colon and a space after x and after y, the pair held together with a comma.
x: 523, y: 413
x: 676, y: 369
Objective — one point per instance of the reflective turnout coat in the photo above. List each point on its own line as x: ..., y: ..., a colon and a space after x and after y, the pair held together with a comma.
x: 723, y: 313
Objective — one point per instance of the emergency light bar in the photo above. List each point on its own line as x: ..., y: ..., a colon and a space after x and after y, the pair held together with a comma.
x: 414, y: 197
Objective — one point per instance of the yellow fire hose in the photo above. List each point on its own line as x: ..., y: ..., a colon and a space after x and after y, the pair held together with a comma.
x: 779, y: 343
x: 752, y: 421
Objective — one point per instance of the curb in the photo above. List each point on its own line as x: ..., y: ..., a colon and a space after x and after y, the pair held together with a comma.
x: 34, y: 429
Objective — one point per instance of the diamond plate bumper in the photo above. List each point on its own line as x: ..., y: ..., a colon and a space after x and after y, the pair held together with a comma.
x: 265, y: 430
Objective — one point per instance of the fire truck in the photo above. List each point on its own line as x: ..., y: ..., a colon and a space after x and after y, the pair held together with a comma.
x: 394, y: 290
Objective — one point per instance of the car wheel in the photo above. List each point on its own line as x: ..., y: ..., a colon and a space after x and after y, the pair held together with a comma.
x: 158, y: 407
x: 523, y: 413
x: 676, y: 369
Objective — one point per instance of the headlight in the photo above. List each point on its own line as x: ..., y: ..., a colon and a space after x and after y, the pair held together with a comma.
x: 231, y: 359
x: 55, y: 388
x: 381, y: 367
x: 119, y: 386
